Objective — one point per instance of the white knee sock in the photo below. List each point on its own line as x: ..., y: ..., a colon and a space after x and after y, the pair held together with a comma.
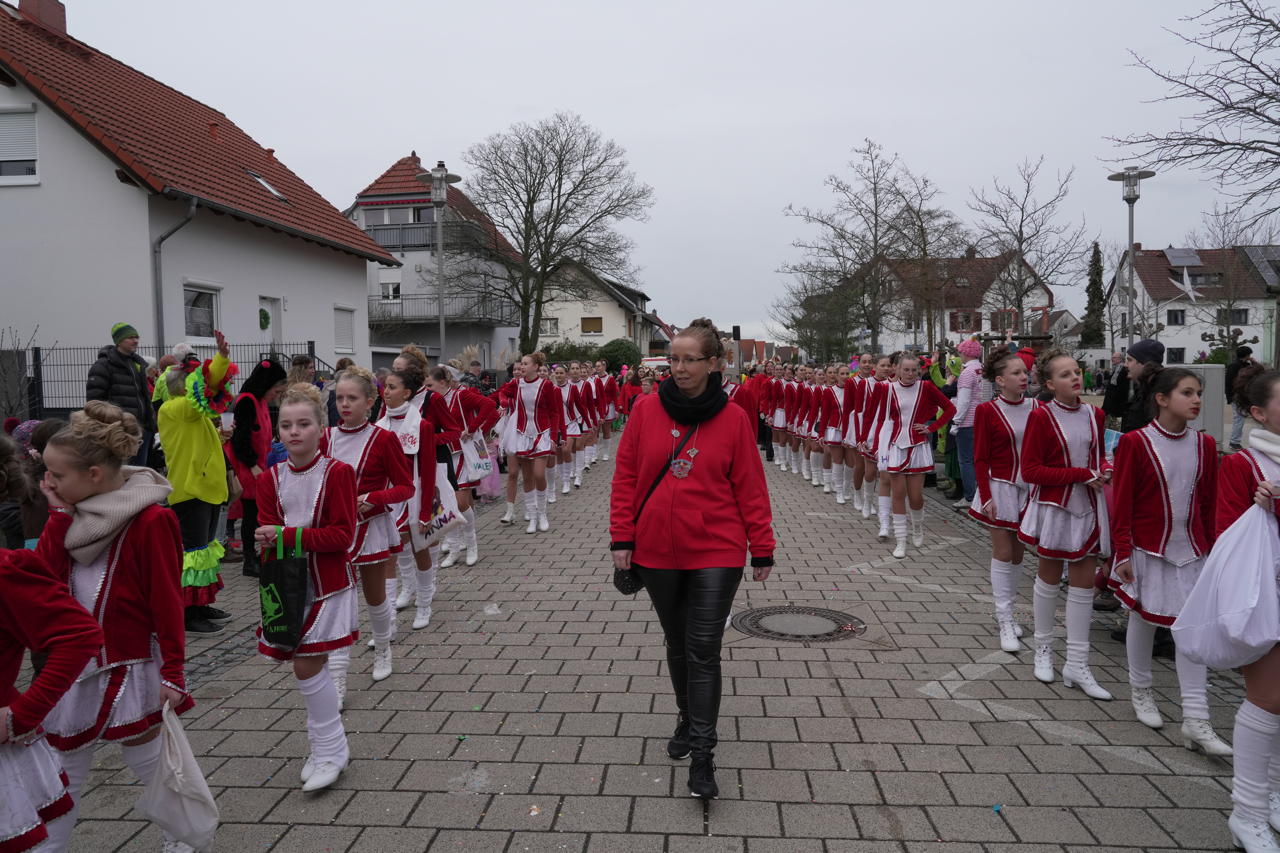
x: 917, y: 519
x: 1138, y: 638
x: 339, y: 661
x: 426, y: 586
x: 76, y: 765
x: 551, y: 477
x: 390, y: 586
x: 900, y: 527
x: 531, y: 503
x: 1079, y: 615
x: 1254, y: 742
x: 1192, y: 684
x: 886, y: 509
x: 324, y: 722
x: 837, y: 478
x: 381, y: 619
x: 577, y: 463
x: 1045, y: 603
x: 406, y: 566
x: 541, y: 501
x: 1001, y: 589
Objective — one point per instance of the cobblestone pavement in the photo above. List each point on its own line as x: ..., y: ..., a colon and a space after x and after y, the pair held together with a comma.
x: 532, y: 715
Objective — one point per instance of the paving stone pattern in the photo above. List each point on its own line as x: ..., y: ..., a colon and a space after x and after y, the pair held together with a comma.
x: 543, y: 727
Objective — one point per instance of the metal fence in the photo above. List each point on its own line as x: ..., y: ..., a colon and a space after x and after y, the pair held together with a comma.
x: 50, y: 381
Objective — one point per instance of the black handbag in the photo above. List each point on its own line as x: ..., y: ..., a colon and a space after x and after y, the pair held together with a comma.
x: 282, y: 593
x: 627, y: 581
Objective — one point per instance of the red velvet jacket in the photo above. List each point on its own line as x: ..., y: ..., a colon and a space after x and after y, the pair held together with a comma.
x: 708, y: 519
x: 1238, y: 478
x: 140, y: 595
x: 607, y: 391
x: 994, y: 444
x: 875, y: 408
x: 383, y: 474
x: 587, y: 403
x: 744, y: 396
x: 855, y: 398
x: 472, y: 411
x: 1141, y: 517
x: 1045, y: 459
x: 328, y: 540
x: 38, y: 613
x: 790, y: 400
x: 548, y: 413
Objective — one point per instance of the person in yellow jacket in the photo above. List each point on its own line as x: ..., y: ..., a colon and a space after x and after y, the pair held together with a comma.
x: 197, y: 470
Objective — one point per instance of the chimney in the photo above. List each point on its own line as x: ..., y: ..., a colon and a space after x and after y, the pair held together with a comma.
x: 50, y: 13
x: 971, y: 252
x: 1137, y: 247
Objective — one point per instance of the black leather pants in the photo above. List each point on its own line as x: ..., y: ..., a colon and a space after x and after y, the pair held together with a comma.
x: 692, y: 605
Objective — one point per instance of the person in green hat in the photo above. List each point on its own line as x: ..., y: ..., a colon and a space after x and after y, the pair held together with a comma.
x: 119, y: 376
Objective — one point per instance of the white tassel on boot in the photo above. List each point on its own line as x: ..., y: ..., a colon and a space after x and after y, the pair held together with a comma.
x: 1076, y: 671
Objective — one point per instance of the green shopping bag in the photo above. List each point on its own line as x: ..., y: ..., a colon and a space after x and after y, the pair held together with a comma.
x: 282, y: 592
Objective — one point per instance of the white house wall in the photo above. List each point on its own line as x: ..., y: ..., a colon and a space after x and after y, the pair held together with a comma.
x: 243, y: 263
x: 74, y: 246
x: 571, y: 311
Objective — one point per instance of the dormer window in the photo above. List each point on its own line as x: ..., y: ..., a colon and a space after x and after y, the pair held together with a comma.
x: 267, y: 186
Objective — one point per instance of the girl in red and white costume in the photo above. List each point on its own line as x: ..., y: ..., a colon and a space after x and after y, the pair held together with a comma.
x: 37, y: 613
x: 999, y: 426
x: 314, y: 495
x: 571, y: 402
x: 875, y: 493
x: 856, y: 389
x: 589, y: 412
x: 119, y: 552
x: 1066, y: 518
x: 832, y: 429
x: 608, y: 387
x: 475, y: 415
x: 819, y: 461
x: 911, y: 418
x: 507, y: 440
x: 539, y: 423
x: 384, y: 482
x: 1166, y: 487
x: 1253, y: 476
x: 780, y: 421
x: 423, y: 424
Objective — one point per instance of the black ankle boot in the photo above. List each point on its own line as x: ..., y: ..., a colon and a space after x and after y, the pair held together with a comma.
x: 678, y: 747
x: 702, y: 778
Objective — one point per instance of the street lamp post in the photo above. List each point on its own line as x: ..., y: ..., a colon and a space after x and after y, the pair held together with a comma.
x: 439, y: 179
x: 1131, y: 176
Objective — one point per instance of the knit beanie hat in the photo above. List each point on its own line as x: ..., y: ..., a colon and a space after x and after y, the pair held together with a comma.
x: 120, y: 331
x: 1148, y: 352
x: 970, y: 349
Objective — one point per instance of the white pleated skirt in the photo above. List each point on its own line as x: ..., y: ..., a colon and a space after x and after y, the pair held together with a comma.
x: 33, y: 791
x: 1160, y: 588
x: 1009, y: 502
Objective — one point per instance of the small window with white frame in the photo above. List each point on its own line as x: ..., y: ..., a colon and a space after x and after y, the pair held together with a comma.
x: 549, y: 327
x: 199, y: 310
x: 390, y: 291
x: 18, y: 151
x: 344, y: 329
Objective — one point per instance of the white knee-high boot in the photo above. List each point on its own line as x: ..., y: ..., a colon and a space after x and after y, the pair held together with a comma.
x: 885, y: 510
x: 1255, y: 737
x: 837, y: 480
x: 900, y: 534
x: 1045, y: 604
x: 1079, y: 616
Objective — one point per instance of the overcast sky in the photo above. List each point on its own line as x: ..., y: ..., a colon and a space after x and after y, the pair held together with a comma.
x: 730, y: 110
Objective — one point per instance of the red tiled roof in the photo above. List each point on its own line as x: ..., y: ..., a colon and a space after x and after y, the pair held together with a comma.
x: 1152, y: 267
x: 979, y: 273
x: 167, y: 141
x: 402, y: 180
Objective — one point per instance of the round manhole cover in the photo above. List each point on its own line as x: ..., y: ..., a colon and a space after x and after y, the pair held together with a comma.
x: 799, y: 624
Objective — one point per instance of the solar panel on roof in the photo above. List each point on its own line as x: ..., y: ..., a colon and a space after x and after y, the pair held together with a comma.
x: 1183, y: 258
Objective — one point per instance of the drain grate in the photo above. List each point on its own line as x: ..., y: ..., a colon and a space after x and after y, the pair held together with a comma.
x: 799, y: 624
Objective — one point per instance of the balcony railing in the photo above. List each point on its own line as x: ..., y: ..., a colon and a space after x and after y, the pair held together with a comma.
x: 422, y: 235
x: 422, y: 308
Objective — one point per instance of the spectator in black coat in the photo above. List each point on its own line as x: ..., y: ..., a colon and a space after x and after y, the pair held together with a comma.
x: 119, y: 376
x: 1244, y: 358
x: 1143, y: 362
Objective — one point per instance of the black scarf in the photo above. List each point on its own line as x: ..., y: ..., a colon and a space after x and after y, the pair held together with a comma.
x: 688, y: 411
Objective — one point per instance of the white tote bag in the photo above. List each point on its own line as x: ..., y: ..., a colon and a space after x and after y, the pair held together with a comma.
x: 444, y: 515
x: 177, y: 799
x: 1232, y: 616
x: 476, y: 462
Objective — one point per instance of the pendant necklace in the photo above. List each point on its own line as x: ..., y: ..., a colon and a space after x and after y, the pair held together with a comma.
x: 681, y: 468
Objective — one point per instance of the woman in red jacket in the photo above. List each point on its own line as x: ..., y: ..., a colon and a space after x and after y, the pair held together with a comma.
x: 1066, y: 519
x: 685, y: 521
x: 871, y: 415
x: 1253, y: 475
x: 1001, y: 495
x: 315, y: 496
x: 855, y: 390
x: 120, y: 553
x: 1166, y: 485
x: 36, y: 613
